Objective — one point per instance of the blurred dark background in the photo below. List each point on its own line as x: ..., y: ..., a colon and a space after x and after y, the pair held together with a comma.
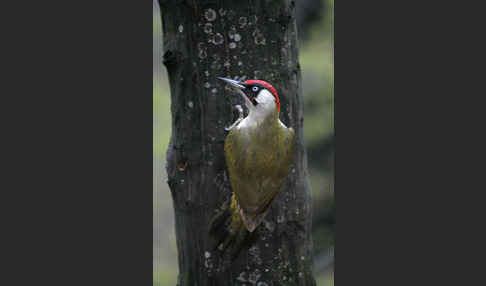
x: 315, y: 26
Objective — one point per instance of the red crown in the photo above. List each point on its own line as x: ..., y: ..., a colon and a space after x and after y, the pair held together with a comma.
x: 267, y: 86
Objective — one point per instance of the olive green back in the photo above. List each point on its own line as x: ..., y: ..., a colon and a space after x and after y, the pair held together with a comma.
x: 258, y: 161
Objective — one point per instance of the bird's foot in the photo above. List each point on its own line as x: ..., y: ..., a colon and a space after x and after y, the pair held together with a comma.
x: 240, y: 117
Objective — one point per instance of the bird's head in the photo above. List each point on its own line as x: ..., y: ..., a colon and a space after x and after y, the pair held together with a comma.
x: 260, y: 96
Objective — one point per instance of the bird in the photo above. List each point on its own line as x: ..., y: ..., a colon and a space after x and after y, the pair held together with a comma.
x: 258, y: 150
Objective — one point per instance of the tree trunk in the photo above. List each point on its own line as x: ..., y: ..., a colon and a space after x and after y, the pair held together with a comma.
x: 242, y: 40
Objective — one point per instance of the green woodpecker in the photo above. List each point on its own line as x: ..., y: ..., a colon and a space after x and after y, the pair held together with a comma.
x: 258, y: 151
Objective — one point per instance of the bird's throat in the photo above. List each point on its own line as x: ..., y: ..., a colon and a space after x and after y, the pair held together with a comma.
x: 262, y: 118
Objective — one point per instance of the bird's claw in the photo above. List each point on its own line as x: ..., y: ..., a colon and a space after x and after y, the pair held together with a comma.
x: 233, y: 125
x: 240, y: 117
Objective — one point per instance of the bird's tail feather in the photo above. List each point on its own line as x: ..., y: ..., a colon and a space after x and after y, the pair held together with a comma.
x: 228, y: 230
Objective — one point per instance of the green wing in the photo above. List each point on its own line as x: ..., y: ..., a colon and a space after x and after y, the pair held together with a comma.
x: 257, y: 170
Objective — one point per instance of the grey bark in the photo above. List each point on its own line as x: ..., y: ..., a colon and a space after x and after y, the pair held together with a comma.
x: 245, y: 40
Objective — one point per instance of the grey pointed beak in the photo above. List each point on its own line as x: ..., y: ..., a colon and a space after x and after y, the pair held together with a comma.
x: 233, y: 83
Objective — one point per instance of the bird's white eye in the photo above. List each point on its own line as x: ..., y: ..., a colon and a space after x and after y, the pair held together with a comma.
x: 255, y: 88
